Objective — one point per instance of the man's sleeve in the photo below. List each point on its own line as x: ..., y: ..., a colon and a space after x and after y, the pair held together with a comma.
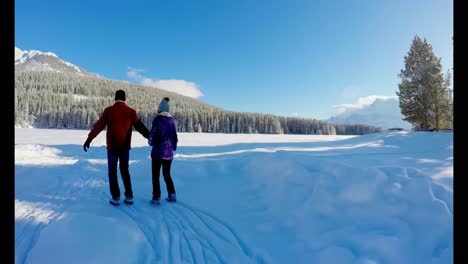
x: 140, y: 127
x: 98, y: 126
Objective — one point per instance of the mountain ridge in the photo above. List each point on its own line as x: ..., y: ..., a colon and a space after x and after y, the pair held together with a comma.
x: 35, y: 60
x: 381, y: 112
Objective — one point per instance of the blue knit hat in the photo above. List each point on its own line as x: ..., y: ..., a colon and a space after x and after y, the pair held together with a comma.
x: 164, y: 105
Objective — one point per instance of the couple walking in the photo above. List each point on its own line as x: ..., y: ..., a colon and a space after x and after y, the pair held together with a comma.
x: 119, y: 119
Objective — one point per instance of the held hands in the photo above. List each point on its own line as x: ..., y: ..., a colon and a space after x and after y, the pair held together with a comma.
x: 86, y: 145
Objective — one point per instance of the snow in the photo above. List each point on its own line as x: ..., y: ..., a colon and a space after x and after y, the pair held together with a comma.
x: 61, y: 137
x: 377, y: 198
x: 380, y: 111
x: 80, y: 97
x: 83, y: 227
x: 24, y: 125
x: 40, y: 155
x: 37, y: 66
x: 73, y: 66
x: 22, y: 56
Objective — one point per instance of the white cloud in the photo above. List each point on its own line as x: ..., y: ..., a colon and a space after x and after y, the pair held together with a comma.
x: 134, y: 74
x: 361, y: 102
x: 182, y: 87
x: 177, y: 86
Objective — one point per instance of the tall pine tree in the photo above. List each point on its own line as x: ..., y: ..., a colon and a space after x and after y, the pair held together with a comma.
x: 424, y: 93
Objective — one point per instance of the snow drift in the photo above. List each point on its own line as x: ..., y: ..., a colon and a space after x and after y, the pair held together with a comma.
x: 378, y: 198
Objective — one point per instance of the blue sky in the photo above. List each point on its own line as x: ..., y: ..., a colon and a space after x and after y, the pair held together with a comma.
x: 281, y: 57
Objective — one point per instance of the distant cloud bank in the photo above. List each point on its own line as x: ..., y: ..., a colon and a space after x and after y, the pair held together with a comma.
x: 376, y: 110
x: 361, y: 103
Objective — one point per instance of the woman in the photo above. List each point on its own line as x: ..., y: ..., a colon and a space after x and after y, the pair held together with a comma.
x: 163, y: 138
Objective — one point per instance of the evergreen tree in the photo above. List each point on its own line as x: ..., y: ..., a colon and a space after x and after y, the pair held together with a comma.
x: 424, y: 95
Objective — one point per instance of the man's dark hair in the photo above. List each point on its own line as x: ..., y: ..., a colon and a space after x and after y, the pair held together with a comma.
x: 120, y: 95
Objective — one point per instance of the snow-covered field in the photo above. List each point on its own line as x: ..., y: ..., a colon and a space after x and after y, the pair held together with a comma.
x: 378, y: 198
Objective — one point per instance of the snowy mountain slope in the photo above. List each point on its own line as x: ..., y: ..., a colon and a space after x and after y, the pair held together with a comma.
x: 381, y: 112
x: 34, y: 60
x: 378, y: 198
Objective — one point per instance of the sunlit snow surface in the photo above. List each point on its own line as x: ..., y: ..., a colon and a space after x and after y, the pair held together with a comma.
x: 378, y: 198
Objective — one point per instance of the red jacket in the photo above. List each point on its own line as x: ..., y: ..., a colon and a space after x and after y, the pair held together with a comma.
x: 119, y: 119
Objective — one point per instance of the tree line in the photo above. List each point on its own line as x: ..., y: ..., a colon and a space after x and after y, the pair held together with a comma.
x: 58, y: 100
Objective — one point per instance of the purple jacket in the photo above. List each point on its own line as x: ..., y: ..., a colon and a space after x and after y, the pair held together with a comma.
x: 163, y: 137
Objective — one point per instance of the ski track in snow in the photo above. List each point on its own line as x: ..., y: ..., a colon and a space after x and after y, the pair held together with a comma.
x: 179, y: 233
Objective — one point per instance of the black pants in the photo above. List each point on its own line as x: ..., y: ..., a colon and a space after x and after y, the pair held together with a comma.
x: 112, y: 158
x: 166, y: 168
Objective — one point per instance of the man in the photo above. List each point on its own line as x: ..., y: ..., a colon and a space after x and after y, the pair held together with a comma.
x: 119, y: 119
